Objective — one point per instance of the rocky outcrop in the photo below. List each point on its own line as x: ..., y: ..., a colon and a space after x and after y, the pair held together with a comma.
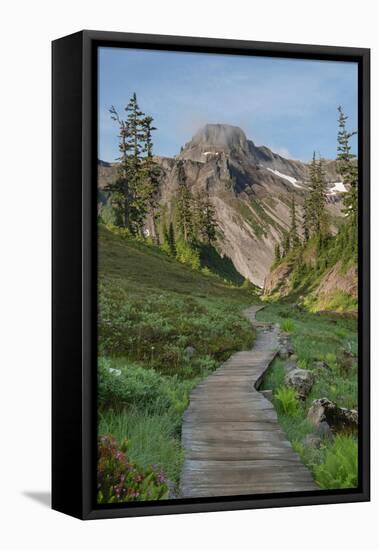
x: 339, y: 418
x: 278, y: 280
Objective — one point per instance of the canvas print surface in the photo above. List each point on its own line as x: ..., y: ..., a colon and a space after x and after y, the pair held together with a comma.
x: 227, y: 275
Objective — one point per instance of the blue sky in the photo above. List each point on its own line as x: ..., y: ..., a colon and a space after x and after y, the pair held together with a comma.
x: 288, y: 105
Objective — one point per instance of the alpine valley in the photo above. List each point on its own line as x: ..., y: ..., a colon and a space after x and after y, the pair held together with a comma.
x: 251, y: 189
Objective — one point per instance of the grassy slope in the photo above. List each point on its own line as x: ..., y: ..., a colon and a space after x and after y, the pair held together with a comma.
x: 140, y: 268
x: 150, y: 309
x: 331, y: 339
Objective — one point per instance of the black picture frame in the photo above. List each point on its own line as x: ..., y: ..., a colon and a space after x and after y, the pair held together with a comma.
x: 74, y: 175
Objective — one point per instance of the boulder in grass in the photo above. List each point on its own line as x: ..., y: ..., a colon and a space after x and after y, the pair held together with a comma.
x: 301, y: 380
x: 290, y: 365
x: 338, y: 418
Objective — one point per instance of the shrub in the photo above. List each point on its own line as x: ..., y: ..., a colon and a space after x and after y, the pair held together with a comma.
x: 155, y: 329
x: 186, y: 254
x: 165, y: 247
x: 129, y: 385
x: 287, y: 399
x: 122, y: 384
x: 340, y: 467
x: 287, y: 325
x: 331, y: 360
x: 120, y: 480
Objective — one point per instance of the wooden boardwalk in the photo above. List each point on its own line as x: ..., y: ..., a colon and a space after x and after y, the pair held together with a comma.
x: 231, y: 436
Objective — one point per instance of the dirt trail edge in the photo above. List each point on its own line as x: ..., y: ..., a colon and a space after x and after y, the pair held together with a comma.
x: 231, y: 436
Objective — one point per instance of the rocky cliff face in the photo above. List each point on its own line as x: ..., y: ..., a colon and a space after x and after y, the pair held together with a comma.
x: 250, y: 187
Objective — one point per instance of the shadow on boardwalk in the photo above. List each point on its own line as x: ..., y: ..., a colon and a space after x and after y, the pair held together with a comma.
x: 231, y: 436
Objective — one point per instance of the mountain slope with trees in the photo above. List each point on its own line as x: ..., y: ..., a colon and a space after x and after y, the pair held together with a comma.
x: 221, y: 190
x: 314, y: 266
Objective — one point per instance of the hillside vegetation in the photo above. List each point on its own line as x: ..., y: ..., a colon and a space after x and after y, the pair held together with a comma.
x: 327, y: 347
x: 313, y: 266
x: 162, y: 328
x: 321, y: 277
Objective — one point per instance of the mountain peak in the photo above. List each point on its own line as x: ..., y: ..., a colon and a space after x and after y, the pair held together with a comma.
x: 215, y: 139
x: 223, y: 136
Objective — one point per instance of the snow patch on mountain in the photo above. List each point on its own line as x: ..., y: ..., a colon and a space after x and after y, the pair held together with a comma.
x: 338, y: 187
x: 288, y: 178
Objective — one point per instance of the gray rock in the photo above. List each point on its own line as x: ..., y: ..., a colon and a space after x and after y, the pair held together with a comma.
x: 290, y: 348
x: 290, y: 365
x: 324, y: 430
x: 301, y: 380
x: 268, y: 395
x: 190, y: 351
x: 312, y: 440
x: 338, y: 418
x: 286, y: 345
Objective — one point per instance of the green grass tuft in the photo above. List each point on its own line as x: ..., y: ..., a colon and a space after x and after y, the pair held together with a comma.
x: 339, y: 469
x: 287, y: 325
x: 287, y: 400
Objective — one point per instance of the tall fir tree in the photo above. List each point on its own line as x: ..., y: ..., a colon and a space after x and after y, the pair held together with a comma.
x: 306, y: 220
x: 133, y: 193
x: 139, y: 204
x: 205, y: 216
x: 286, y: 244
x: 347, y: 167
x: 184, y: 205
x: 317, y: 218
x: 171, y: 239
x: 119, y: 190
x: 294, y: 236
x: 150, y: 175
x: 277, y: 254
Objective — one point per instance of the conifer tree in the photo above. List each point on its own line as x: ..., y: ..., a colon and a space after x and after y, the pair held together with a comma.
x: 150, y: 175
x: 306, y: 220
x: 277, y: 254
x: 206, y: 223
x: 317, y: 199
x: 139, y: 201
x: 119, y: 190
x: 185, y: 205
x: 286, y: 244
x: 294, y: 236
x: 171, y: 239
x: 347, y: 167
x: 134, y: 192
